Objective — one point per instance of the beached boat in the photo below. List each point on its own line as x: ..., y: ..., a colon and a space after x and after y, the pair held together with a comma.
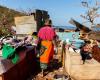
x: 78, y: 71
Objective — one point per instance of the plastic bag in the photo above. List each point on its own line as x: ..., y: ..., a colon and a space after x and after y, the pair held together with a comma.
x: 8, y: 52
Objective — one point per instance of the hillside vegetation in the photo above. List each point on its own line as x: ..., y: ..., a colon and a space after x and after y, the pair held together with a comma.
x: 7, y: 20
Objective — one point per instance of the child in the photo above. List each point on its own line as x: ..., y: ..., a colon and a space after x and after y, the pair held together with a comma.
x: 35, y: 39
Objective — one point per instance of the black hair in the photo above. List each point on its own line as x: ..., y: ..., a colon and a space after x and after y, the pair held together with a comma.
x: 48, y: 22
x: 34, y: 33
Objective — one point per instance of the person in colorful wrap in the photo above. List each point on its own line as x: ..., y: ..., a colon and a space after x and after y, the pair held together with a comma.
x: 47, y: 36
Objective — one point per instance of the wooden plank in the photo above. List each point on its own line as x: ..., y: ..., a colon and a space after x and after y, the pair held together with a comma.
x: 67, y: 62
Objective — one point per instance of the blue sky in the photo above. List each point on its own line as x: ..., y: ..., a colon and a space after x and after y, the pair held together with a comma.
x: 60, y: 10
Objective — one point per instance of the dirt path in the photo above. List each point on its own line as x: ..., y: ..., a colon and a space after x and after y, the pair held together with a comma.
x: 55, y: 70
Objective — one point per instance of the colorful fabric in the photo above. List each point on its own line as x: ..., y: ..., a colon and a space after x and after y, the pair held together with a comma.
x: 46, y: 33
x: 48, y: 53
x: 15, y: 59
x: 8, y: 52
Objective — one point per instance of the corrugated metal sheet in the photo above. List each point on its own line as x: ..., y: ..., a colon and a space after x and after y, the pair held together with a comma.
x: 79, y: 25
